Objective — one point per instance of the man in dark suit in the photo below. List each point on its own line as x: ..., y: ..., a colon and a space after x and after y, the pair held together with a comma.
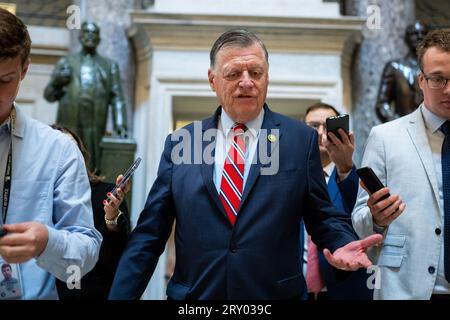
x: 238, y: 185
x: 342, y: 184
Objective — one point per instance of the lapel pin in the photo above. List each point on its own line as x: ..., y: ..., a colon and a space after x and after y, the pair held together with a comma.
x: 271, y: 138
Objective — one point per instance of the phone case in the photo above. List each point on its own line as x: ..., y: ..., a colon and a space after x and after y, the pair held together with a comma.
x: 127, y: 175
x: 371, y: 181
x: 336, y: 122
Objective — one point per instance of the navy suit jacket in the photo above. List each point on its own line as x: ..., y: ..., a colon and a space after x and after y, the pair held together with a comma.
x: 258, y: 258
x: 340, y: 284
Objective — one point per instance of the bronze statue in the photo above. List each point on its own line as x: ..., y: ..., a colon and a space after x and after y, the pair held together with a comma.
x: 86, y: 85
x: 399, y: 92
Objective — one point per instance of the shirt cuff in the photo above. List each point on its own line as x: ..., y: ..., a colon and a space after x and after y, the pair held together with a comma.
x: 340, y: 178
x: 378, y: 229
x: 54, y: 248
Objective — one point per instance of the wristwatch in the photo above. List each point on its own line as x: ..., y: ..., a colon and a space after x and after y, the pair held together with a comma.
x: 117, y: 220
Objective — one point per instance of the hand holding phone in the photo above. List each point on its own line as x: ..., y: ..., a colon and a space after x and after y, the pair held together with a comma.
x: 336, y: 122
x: 371, y: 181
x: 126, y: 177
x: 382, y: 216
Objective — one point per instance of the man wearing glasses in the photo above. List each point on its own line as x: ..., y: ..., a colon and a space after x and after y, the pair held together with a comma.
x: 325, y: 282
x: 411, y: 156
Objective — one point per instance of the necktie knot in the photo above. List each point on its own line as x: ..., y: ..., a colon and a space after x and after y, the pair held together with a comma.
x: 445, y: 128
x: 239, y: 128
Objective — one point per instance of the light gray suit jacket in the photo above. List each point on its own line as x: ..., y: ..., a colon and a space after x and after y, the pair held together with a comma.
x: 400, y: 155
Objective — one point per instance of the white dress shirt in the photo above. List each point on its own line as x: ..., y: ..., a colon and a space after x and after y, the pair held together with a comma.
x: 223, y: 142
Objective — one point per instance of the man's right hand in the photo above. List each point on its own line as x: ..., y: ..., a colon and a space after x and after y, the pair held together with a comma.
x: 341, y: 151
x: 23, y: 241
x: 384, y: 211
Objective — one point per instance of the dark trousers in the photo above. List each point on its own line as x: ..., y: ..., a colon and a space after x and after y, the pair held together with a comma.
x: 323, y: 295
x: 440, y: 297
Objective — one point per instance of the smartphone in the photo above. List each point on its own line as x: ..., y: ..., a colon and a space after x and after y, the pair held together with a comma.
x: 336, y: 122
x: 126, y: 176
x: 371, y: 181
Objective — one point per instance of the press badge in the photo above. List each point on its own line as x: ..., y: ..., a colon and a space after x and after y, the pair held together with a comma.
x: 10, y: 281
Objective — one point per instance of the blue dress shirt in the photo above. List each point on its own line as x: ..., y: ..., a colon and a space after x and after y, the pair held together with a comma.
x: 50, y: 185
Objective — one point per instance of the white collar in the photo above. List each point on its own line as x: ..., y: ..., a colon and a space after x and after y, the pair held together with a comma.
x: 432, y: 121
x: 329, y: 169
x: 253, y: 126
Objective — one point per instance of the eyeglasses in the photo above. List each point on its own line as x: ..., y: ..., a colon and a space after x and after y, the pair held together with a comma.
x: 316, y: 125
x: 435, y: 82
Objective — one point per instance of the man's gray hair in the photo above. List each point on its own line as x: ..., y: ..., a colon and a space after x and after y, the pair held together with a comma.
x: 240, y: 38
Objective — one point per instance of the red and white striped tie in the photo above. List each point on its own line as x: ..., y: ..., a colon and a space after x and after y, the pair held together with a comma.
x: 232, y: 182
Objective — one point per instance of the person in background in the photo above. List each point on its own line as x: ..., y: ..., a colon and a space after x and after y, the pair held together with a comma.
x: 327, y: 282
x: 111, y: 218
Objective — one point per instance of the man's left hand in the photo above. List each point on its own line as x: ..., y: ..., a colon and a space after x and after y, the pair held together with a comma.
x: 352, y: 256
x: 23, y: 241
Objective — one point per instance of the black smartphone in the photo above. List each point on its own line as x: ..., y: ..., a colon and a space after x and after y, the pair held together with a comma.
x: 371, y: 181
x: 335, y: 122
x: 127, y: 175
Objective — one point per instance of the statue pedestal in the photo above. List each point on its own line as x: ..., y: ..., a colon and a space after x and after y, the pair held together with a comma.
x: 117, y: 157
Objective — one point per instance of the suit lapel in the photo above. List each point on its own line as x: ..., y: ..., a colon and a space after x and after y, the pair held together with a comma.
x: 269, y: 127
x: 207, y: 169
x: 417, y: 131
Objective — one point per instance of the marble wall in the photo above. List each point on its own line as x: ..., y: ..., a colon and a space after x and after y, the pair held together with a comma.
x: 381, y: 43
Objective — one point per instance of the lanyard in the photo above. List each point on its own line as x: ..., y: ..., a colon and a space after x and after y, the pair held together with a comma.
x: 7, y: 179
x: 7, y: 186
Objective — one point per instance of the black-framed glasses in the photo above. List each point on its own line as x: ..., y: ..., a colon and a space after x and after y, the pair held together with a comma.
x: 316, y: 125
x: 435, y: 82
